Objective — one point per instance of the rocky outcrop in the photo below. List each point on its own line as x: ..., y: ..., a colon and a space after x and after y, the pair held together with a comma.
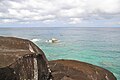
x: 76, y: 70
x: 20, y: 59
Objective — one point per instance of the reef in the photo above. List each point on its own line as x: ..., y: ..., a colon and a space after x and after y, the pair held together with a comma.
x: 21, y: 59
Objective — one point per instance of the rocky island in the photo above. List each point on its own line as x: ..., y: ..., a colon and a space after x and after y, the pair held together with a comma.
x: 21, y: 59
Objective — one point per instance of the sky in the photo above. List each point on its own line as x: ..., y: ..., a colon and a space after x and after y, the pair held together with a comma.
x: 59, y: 13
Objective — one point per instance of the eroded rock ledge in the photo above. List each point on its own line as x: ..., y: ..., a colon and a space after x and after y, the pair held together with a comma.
x: 20, y: 59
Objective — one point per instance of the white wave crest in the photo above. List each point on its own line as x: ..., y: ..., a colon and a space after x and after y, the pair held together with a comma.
x: 35, y: 40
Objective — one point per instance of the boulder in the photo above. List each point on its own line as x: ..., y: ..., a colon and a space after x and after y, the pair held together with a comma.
x: 76, y: 70
x: 20, y: 59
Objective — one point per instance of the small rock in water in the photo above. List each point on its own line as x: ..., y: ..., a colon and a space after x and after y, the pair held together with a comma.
x: 53, y: 40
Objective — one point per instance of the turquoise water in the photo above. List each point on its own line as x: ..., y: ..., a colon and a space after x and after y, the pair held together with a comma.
x: 99, y: 46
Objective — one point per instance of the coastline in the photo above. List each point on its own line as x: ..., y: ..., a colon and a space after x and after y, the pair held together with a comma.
x: 83, y: 70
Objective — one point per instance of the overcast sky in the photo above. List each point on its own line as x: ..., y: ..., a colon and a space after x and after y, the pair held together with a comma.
x: 59, y: 13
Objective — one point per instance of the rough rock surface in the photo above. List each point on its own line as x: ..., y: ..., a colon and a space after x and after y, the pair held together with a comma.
x: 20, y: 59
x: 76, y: 70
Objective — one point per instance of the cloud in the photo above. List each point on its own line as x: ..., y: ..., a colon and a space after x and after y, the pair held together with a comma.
x: 71, y: 11
x: 113, y: 23
x: 75, y: 20
x: 8, y: 20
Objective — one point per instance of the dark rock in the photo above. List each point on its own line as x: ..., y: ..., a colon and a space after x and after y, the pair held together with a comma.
x: 20, y: 59
x: 76, y: 70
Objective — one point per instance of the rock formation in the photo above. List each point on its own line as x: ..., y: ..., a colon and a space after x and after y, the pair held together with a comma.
x: 76, y: 70
x: 20, y: 59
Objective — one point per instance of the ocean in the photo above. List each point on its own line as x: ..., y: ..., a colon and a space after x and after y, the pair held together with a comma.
x: 98, y: 46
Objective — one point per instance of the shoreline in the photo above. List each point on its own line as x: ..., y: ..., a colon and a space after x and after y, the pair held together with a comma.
x: 55, y: 70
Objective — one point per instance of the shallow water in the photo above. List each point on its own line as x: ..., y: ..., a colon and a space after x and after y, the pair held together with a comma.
x: 99, y: 46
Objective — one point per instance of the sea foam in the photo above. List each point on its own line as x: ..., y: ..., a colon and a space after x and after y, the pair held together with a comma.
x: 35, y: 40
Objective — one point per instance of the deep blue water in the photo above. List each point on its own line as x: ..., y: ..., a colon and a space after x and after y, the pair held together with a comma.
x: 99, y: 46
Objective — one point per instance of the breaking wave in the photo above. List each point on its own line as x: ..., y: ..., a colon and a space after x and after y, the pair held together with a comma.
x: 35, y: 40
